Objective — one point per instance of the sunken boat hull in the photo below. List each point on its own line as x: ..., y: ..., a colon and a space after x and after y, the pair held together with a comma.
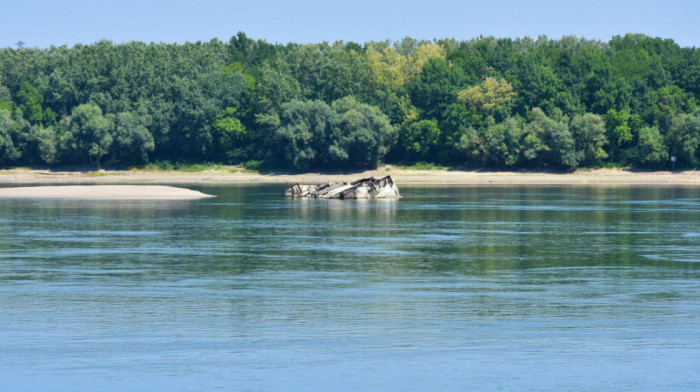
x: 365, y: 188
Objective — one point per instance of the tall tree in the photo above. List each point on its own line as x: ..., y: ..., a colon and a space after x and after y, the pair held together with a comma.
x: 651, y: 150
x: 622, y: 130
x: 419, y: 141
x: 9, y: 129
x: 30, y: 102
x: 361, y: 136
x: 588, y: 131
x: 684, y: 139
x: 302, y: 138
x: 231, y: 136
x: 132, y: 138
x: 89, y: 134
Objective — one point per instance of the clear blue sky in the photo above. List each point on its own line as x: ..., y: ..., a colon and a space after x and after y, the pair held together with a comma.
x: 42, y: 23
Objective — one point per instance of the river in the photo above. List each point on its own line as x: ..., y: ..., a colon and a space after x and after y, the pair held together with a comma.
x: 446, y: 289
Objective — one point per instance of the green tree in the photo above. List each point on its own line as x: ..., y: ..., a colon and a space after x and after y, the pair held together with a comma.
x: 435, y: 90
x: 5, y: 97
x: 472, y: 146
x: 39, y: 145
x: 548, y: 141
x: 47, y: 145
x: 132, y: 138
x: 562, y: 146
x: 275, y: 88
x: 303, y: 135
x: 534, y: 134
x: 499, y: 146
x: 636, y: 59
x: 391, y: 69
x: 661, y: 106
x: 9, y: 129
x: 311, y: 134
x: 361, y: 135
x: 632, y: 81
x: 5, y: 105
x: 651, y: 150
x: 30, y: 102
x: 419, y: 141
x: 603, y: 88
x: 491, y: 96
x: 230, y: 135
x: 510, y: 151
x: 535, y: 83
x: 460, y: 120
x: 622, y: 128
x: 89, y: 134
x: 684, y: 139
x: 588, y: 131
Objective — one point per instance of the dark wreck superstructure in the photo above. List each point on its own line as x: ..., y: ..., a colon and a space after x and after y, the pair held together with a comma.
x: 365, y: 188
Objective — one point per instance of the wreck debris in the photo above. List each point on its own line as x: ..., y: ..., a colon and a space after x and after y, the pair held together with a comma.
x: 365, y: 188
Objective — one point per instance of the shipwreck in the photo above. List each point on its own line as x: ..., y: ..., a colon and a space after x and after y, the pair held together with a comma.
x: 365, y: 188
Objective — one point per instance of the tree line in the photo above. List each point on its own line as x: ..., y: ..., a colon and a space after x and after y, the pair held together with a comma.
x: 481, y: 103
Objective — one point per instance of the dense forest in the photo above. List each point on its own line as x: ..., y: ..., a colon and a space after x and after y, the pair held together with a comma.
x: 483, y: 103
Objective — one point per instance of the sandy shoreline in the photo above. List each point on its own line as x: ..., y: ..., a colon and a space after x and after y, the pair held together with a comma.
x: 103, y: 192
x: 608, y: 177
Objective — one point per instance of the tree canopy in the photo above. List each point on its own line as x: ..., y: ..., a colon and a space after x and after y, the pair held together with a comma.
x: 485, y: 102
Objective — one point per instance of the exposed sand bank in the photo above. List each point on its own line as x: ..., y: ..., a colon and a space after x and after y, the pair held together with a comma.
x: 105, y: 192
x: 400, y: 176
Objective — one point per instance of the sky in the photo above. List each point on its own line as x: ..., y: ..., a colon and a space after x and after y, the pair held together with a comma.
x: 43, y: 23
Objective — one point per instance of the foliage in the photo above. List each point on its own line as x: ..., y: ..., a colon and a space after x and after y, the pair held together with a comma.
x: 588, y: 131
x: 622, y: 130
x: 133, y: 139
x: 485, y: 102
x: 419, y: 141
x: 9, y: 129
x: 312, y: 134
x: 230, y: 135
x: 305, y: 128
x: 181, y: 166
x: 492, y: 94
x: 361, y: 135
x: 423, y: 166
x: 684, y: 139
x: 30, y: 103
x: 651, y: 150
x: 88, y: 134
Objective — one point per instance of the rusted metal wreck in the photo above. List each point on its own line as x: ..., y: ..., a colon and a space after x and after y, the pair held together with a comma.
x: 365, y: 188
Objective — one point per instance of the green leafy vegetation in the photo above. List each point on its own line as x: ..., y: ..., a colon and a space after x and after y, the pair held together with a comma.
x: 423, y: 166
x: 183, y: 167
x: 483, y: 103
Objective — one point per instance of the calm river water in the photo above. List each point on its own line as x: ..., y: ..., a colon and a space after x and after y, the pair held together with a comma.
x: 446, y: 289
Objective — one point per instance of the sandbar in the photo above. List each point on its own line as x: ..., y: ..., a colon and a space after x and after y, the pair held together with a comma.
x: 104, y: 192
x: 401, y: 176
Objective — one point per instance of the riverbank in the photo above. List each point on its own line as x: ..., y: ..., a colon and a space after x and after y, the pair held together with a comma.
x: 234, y: 175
